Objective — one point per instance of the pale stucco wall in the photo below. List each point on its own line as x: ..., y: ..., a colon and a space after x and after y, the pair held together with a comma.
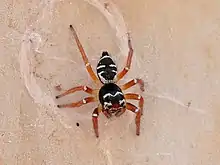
x: 176, y: 53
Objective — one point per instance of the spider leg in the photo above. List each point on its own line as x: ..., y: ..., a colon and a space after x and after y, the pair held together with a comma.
x: 85, y: 59
x: 132, y: 83
x: 72, y: 90
x: 133, y: 96
x: 95, y: 116
x: 128, y: 63
x: 137, y: 111
x: 78, y: 104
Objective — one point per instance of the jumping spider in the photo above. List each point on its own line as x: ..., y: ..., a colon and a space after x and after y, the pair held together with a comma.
x: 112, y: 100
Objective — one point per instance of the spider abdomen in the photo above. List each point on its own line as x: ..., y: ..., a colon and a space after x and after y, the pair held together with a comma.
x: 106, y: 68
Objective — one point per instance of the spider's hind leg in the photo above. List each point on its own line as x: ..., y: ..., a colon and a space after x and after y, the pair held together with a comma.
x: 129, y: 60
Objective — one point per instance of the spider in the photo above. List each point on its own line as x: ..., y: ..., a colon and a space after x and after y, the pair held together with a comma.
x: 110, y: 96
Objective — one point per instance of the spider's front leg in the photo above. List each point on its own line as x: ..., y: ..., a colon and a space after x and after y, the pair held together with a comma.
x: 95, y: 116
x: 85, y: 59
x: 132, y: 83
x: 128, y: 63
x: 78, y: 104
x: 137, y: 111
x: 133, y: 96
x: 73, y: 90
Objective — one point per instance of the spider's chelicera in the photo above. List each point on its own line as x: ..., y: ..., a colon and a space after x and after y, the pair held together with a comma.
x: 110, y: 95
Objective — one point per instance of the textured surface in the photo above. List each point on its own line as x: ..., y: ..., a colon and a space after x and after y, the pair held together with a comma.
x: 176, y: 53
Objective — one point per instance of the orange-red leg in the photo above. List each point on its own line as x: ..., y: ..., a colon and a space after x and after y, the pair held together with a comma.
x: 78, y: 104
x: 85, y: 59
x: 79, y: 88
x: 137, y: 111
x: 128, y: 63
x: 95, y: 116
x: 133, y: 82
x: 133, y: 96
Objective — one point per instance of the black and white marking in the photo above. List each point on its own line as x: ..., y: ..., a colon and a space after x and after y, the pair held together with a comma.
x: 106, y: 68
x: 95, y: 115
x: 111, y: 97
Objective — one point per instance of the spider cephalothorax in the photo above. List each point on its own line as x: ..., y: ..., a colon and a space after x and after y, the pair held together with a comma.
x: 112, y: 99
x: 111, y: 96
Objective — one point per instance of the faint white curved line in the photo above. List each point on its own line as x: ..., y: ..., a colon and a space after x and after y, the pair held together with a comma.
x: 61, y: 59
x: 115, y: 19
